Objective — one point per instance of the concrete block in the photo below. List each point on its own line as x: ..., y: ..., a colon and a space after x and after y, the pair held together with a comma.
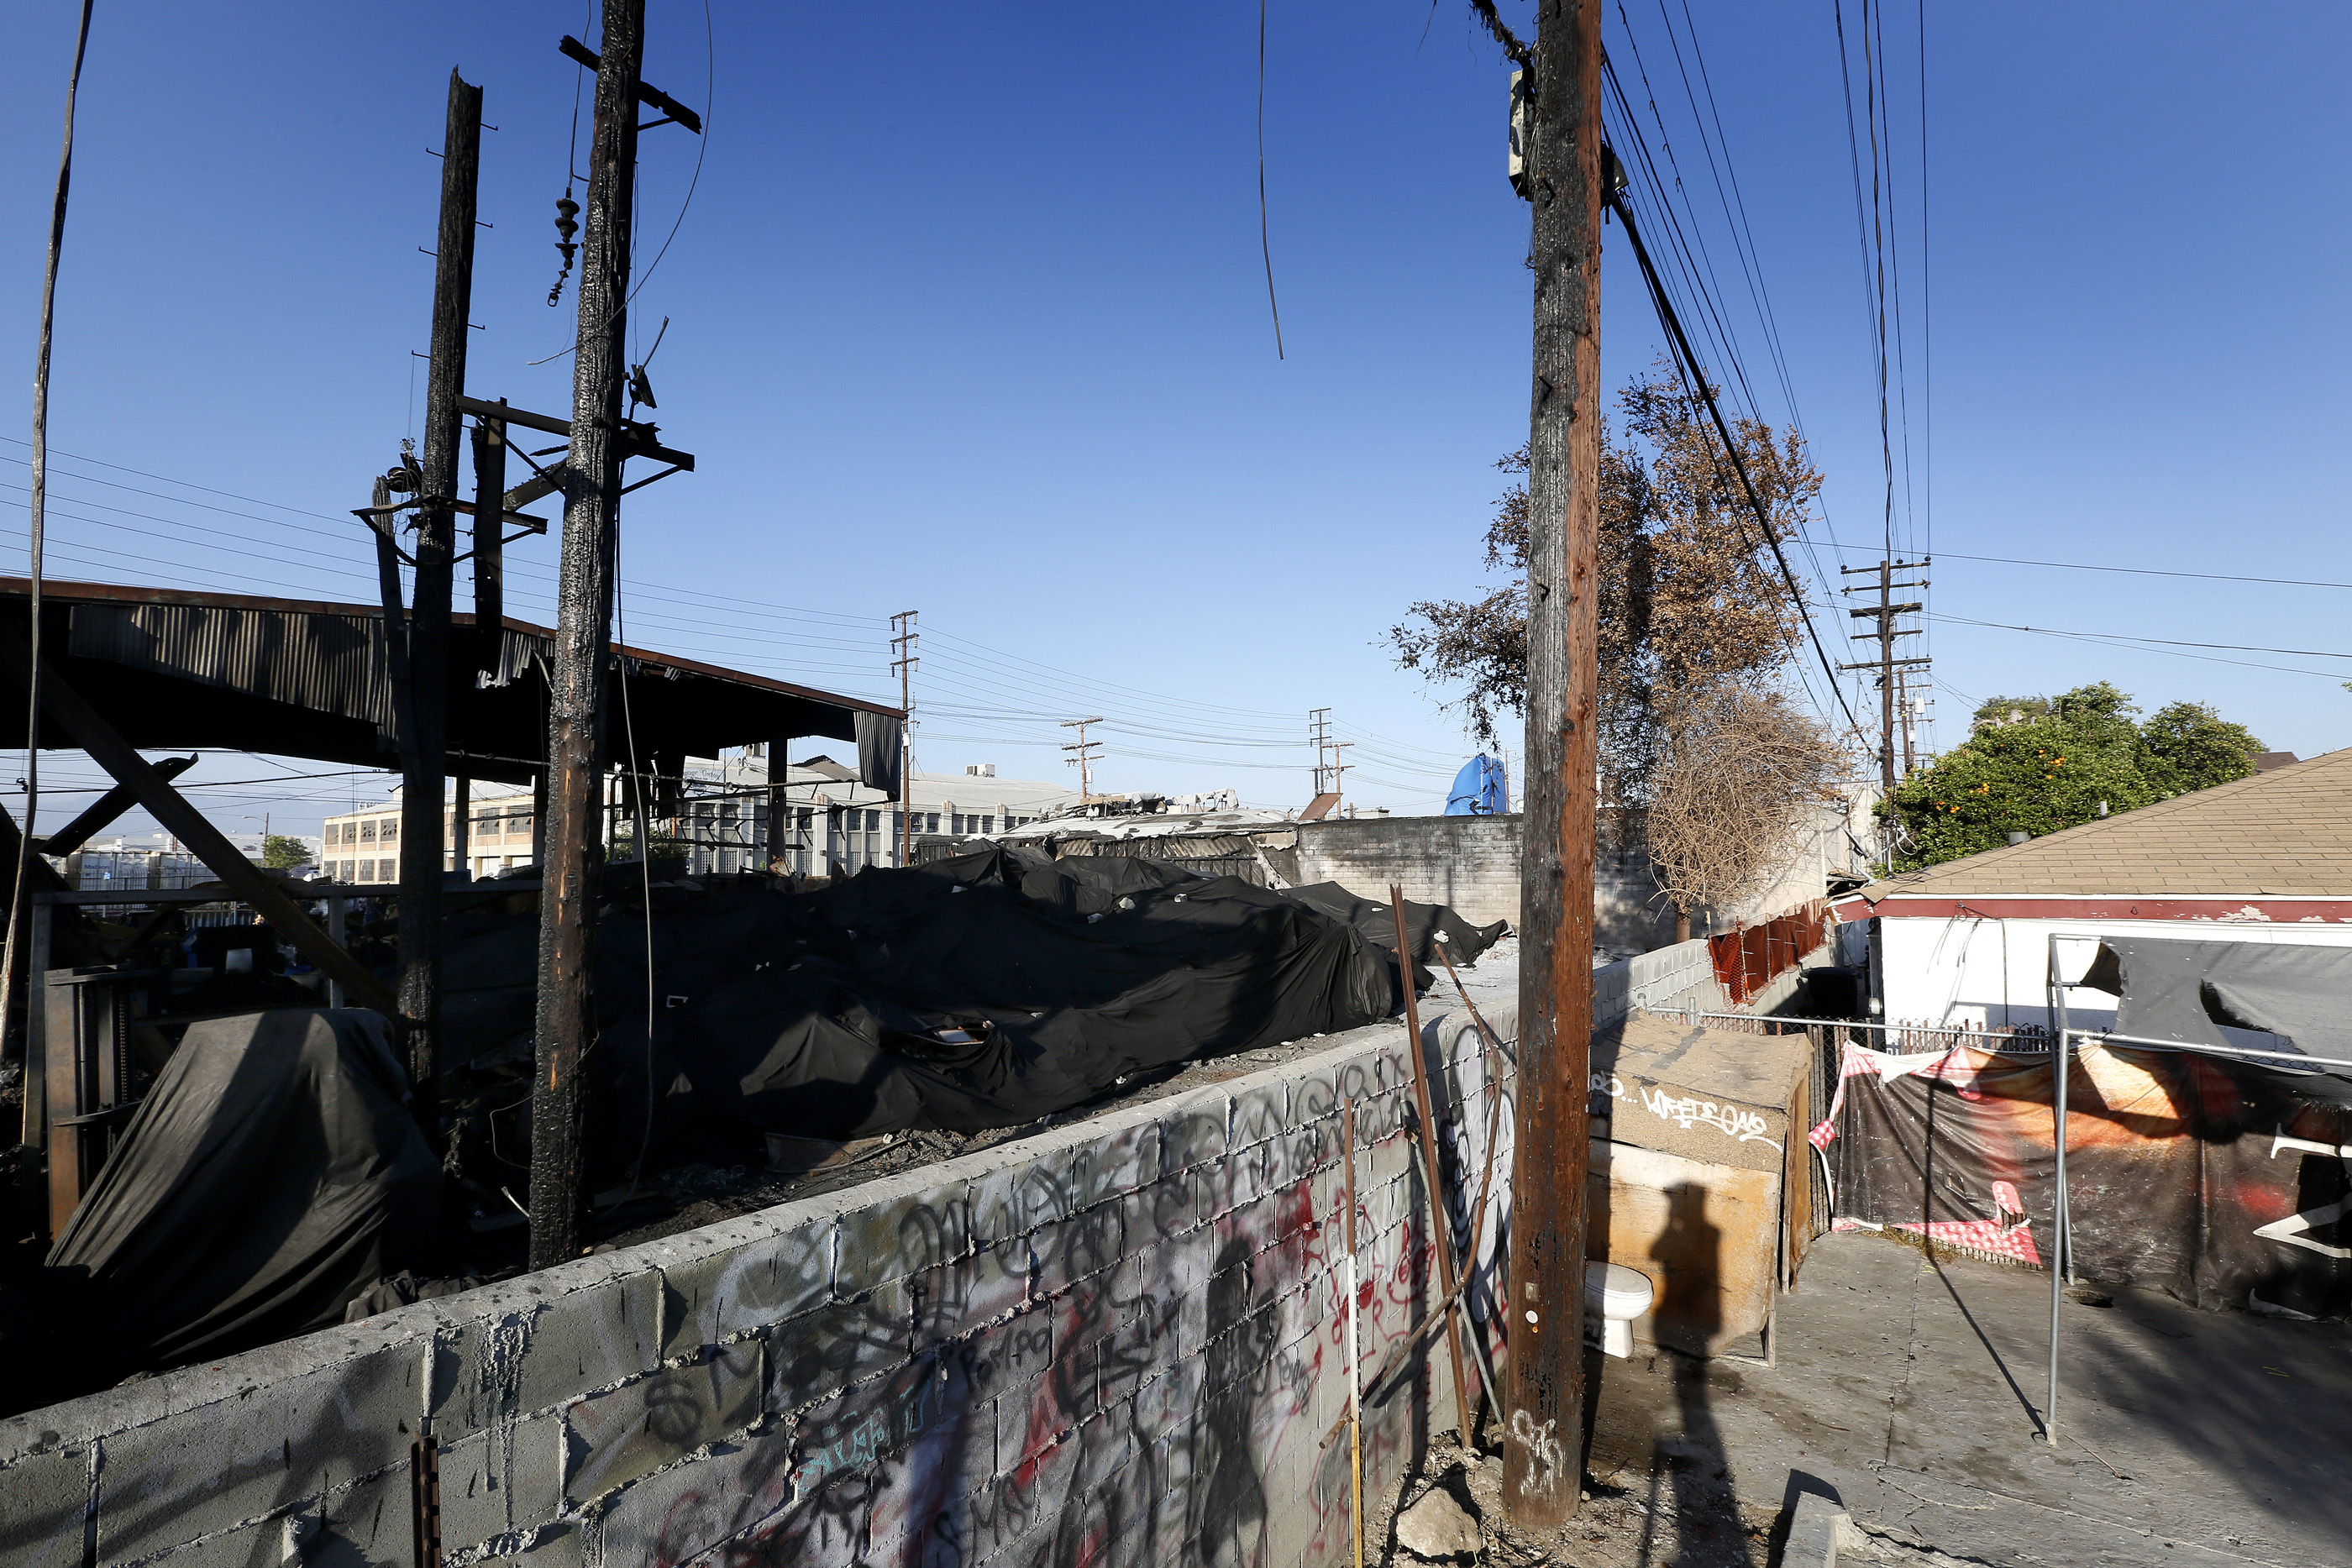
x: 741, y: 1287
x: 823, y: 1529
x: 1123, y: 1155
x: 819, y: 1354
x: 1029, y: 1494
x: 924, y: 1500
x: 1194, y: 1129
x: 1167, y: 1404
x: 881, y: 1419
x: 267, y: 1543
x: 903, y: 1233
x: 623, y: 1433
x: 1262, y: 1111
x: 965, y: 1293
x: 266, y: 1450
x: 1009, y: 1354
x: 563, y: 1544
x: 1068, y: 1252
x: 372, y: 1521
x: 1817, y: 1527
x: 714, y: 1499
x: 1316, y: 1093
x: 539, y: 1344
x: 1010, y: 1199
x: 495, y: 1482
x: 48, y: 1497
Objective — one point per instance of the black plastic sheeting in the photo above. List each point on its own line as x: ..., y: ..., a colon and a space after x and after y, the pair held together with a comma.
x: 1425, y: 925
x: 272, y: 1173
x: 2189, y: 991
x: 986, y: 989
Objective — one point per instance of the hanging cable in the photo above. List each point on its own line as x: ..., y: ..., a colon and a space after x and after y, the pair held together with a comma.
x: 1707, y: 393
x: 1265, y: 244
x: 8, y: 950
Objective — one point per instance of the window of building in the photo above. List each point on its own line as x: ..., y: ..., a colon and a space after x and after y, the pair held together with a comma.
x: 387, y: 871
x: 389, y: 832
x: 367, y: 831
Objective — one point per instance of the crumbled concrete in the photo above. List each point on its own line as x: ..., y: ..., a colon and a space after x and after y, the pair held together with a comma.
x: 1438, y: 1529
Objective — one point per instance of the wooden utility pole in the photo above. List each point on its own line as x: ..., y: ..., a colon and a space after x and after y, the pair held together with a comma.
x: 425, y: 751
x: 1883, y: 633
x: 579, y: 675
x: 1543, y: 1428
x: 1084, y: 760
x: 907, y: 640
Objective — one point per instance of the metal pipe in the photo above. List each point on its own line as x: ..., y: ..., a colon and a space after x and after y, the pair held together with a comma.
x: 2059, y: 1262
x: 1355, y: 1351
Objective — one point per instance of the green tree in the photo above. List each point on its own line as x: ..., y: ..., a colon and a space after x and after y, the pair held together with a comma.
x: 279, y: 850
x: 2100, y: 715
x: 2036, y: 777
x: 2188, y: 746
x: 2081, y: 758
x: 1997, y: 710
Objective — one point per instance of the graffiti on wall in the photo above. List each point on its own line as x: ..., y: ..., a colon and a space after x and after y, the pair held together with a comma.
x: 1147, y: 1376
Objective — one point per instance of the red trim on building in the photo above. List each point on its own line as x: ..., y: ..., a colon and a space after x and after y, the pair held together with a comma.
x: 2221, y: 908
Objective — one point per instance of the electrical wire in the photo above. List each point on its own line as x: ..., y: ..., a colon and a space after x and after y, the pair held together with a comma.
x: 40, y: 443
x: 1265, y: 243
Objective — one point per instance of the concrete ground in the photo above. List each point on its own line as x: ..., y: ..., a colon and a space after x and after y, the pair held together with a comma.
x: 1909, y: 1388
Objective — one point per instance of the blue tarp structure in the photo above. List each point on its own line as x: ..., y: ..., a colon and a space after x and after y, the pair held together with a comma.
x: 1479, y: 789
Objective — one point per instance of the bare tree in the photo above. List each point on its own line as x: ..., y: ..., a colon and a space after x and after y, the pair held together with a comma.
x: 1689, y: 590
x: 1741, y: 767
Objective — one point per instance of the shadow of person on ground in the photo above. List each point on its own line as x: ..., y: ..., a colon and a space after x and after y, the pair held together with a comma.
x: 1688, y: 1314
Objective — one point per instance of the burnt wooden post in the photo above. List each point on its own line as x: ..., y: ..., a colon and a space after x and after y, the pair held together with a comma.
x: 578, y: 676
x: 425, y: 756
x: 490, y: 536
x: 1543, y: 1429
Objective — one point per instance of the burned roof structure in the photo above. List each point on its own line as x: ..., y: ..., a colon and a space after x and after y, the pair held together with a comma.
x: 299, y: 678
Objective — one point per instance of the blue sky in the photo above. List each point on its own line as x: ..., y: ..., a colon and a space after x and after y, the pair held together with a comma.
x: 968, y: 315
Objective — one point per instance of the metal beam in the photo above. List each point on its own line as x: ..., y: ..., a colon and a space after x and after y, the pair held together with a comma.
x: 103, y: 811
x: 243, y: 879
x: 637, y: 437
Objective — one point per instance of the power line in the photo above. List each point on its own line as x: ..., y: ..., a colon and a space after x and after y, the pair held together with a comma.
x: 2134, y: 571
x: 1698, y: 376
x: 2131, y: 637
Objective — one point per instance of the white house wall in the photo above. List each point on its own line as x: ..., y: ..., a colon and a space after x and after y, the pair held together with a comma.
x: 1986, y: 972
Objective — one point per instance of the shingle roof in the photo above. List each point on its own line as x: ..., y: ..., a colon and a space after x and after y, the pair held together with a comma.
x: 2286, y: 832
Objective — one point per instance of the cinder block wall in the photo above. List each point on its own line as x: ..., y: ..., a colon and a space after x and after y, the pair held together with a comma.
x: 1121, y: 1340
x: 1472, y: 863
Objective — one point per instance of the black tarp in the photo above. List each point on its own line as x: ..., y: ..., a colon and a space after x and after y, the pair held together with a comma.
x: 1424, y: 923
x: 985, y: 989
x: 2190, y: 991
x: 994, y: 988
x: 272, y: 1173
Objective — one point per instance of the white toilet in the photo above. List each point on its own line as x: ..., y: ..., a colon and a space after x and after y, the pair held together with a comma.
x: 1616, y: 1295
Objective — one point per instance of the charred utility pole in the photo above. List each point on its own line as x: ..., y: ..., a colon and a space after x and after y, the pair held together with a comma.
x: 1082, y: 761
x: 905, y: 643
x: 1884, y: 631
x: 580, y: 671
x: 1556, y: 101
x: 425, y: 751
x: 489, y: 535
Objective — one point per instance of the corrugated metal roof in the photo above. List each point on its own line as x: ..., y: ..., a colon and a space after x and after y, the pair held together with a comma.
x: 329, y: 663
